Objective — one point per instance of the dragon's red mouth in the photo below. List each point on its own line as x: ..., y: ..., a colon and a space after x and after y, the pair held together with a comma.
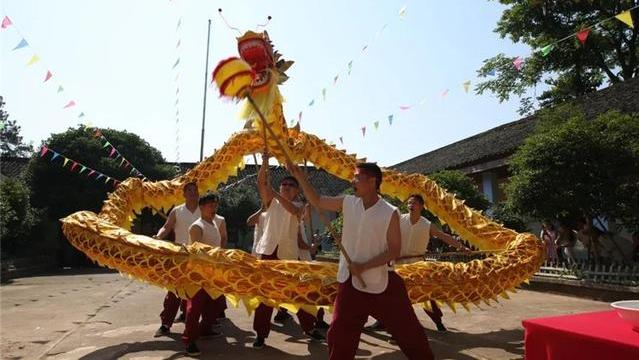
x: 256, y: 52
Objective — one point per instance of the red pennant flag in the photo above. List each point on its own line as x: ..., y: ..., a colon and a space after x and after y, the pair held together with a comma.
x: 73, y: 166
x: 44, y: 149
x: 6, y: 22
x: 70, y: 104
x: 126, y: 163
x: 49, y: 75
x: 97, y: 133
x: 582, y: 35
x: 112, y: 151
x: 404, y: 107
x: 91, y: 173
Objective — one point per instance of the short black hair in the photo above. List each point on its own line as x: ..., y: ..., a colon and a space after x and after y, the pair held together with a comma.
x: 371, y: 169
x: 417, y: 197
x: 208, y: 198
x: 192, y: 183
x: 292, y: 178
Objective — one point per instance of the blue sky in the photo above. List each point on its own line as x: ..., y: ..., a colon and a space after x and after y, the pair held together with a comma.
x: 115, y: 59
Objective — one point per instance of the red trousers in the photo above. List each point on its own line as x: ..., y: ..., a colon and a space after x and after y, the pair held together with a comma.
x: 200, y: 305
x: 392, y: 307
x: 263, y: 313
x: 171, y: 305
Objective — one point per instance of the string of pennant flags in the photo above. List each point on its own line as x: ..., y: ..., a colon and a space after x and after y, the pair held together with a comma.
x: 75, y: 165
x: 346, y: 71
x: 116, y: 155
x: 22, y: 44
x: 518, y: 63
x: 35, y: 60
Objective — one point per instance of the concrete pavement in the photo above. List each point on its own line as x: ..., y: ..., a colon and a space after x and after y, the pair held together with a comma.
x: 106, y: 316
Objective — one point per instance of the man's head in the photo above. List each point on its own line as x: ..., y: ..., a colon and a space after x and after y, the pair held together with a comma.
x: 367, y: 179
x: 415, y: 203
x: 190, y: 192
x: 289, y: 188
x: 208, y: 205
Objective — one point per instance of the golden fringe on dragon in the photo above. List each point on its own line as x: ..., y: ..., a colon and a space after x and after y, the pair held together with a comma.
x: 105, y: 237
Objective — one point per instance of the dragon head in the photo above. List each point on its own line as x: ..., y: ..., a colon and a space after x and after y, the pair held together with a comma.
x: 257, y: 50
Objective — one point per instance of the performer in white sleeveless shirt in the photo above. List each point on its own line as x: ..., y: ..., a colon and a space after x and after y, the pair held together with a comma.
x: 279, y: 241
x: 371, y: 237
x: 416, y: 232
x: 205, y: 231
x: 179, y: 221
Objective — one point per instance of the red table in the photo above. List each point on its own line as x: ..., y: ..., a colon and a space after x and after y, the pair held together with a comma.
x: 596, y: 335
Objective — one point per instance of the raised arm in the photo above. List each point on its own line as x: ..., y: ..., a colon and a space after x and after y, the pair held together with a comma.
x: 168, y: 226
x: 263, y: 187
x: 447, y: 239
x: 288, y: 205
x: 255, y: 217
x: 323, y: 202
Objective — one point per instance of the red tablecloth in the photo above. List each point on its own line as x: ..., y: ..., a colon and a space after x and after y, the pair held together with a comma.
x: 596, y: 335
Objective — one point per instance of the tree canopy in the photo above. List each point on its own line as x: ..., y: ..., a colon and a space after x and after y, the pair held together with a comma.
x: 609, y: 54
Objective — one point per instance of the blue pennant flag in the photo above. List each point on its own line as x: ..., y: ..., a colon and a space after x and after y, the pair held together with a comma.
x: 23, y: 43
x: 55, y: 155
x: 390, y: 119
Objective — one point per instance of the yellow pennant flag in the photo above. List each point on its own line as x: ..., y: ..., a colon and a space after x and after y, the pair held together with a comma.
x: 626, y: 18
x: 466, y: 86
x: 34, y: 59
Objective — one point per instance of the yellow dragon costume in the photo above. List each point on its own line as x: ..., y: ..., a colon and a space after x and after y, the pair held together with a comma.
x: 105, y: 237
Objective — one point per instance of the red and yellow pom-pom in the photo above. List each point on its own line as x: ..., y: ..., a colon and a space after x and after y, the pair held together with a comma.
x: 233, y: 77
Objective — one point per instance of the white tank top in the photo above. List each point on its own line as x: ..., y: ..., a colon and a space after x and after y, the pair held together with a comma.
x: 210, y: 232
x: 415, y: 237
x: 218, y: 220
x: 257, y: 233
x: 364, y: 237
x: 183, y: 220
x: 279, y: 230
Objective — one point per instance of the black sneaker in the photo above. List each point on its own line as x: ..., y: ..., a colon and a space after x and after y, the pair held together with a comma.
x: 181, y: 318
x: 211, y: 335
x: 322, y: 325
x: 162, y: 331
x: 441, y: 327
x: 282, y: 316
x: 258, y: 343
x: 376, y: 326
x: 192, y: 350
x: 315, y: 335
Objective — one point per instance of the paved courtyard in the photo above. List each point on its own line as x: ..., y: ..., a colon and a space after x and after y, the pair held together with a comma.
x: 103, y: 315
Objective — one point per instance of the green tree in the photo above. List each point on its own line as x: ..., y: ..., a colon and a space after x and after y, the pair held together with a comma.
x: 462, y: 186
x: 62, y: 192
x: 572, y: 167
x: 236, y: 205
x: 11, y: 143
x: 570, y: 69
x: 17, y: 217
x: 58, y: 192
